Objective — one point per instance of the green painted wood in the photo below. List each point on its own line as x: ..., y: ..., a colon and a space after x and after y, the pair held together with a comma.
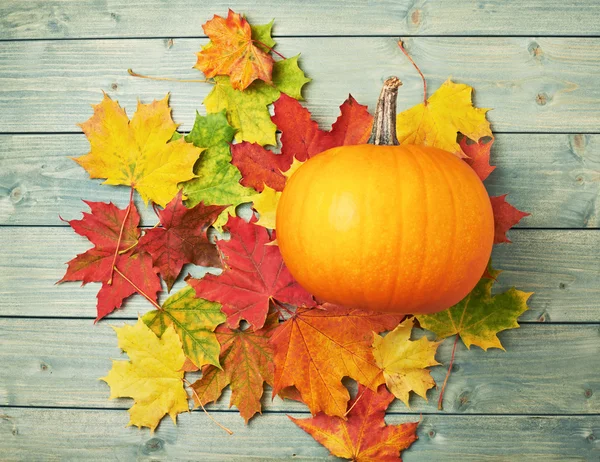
x: 539, y: 85
x: 65, y: 358
x: 555, y: 177
x: 59, y: 434
x: 138, y: 18
x: 562, y: 267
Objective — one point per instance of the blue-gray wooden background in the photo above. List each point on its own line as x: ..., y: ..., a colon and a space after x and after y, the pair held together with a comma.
x: 536, y: 62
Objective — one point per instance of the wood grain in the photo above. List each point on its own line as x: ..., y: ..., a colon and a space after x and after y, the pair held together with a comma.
x: 138, y: 18
x: 58, y: 434
x: 65, y: 359
x: 556, y: 177
x: 539, y: 85
x: 562, y: 267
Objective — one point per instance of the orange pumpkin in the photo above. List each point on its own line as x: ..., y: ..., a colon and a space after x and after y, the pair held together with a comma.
x: 382, y: 227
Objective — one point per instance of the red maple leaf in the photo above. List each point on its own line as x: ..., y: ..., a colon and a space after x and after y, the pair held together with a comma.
x: 182, y: 238
x: 505, y: 217
x: 254, y: 274
x: 302, y: 138
x: 102, y: 227
x: 316, y: 348
x: 259, y: 166
x: 365, y: 435
x: 478, y: 156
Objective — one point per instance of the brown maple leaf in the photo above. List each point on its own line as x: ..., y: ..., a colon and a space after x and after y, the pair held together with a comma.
x: 247, y: 363
x: 232, y: 52
x: 316, y: 348
x: 182, y: 238
x: 364, y: 437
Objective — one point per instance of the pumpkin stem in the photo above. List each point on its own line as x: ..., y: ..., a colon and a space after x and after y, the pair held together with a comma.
x: 384, y: 124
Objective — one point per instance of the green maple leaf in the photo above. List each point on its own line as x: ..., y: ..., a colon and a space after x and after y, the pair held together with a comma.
x: 217, y: 181
x: 479, y: 316
x: 288, y: 78
x: 247, y: 110
x: 262, y: 34
x: 194, y: 320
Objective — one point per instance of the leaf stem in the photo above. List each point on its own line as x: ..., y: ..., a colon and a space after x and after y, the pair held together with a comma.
x: 168, y: 79
x: 441, y: 399
x: 269, y: 48
x: 137, y: 289
x: 109, y: 282
x: 401, y: 45
x: 199, y: 401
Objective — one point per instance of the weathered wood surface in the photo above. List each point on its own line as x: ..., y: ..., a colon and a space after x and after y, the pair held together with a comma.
x: 530, y: 377
x: 555, y: 176
x: 122, y: 18
x: 537, y: 63
x: 540, y: 85
x: 562, y: 267
x: 59, y: 434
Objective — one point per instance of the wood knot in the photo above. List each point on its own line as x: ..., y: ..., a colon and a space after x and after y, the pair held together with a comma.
x: 153, y: 445
x: 415, y: 17
x: 431, y: 433
x: 588, y: 393
x: 542, y: 99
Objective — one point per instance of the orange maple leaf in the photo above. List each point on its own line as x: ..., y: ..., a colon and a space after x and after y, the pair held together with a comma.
x: 316, y: 348
x: 232, y: 52
x: 364, y: 437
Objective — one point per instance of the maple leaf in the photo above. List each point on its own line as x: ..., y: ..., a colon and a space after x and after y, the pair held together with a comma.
x: 152, y: 376
x: 448, y: 111
x: 478, y: 156
x: 364, y: 437
x: 259, y: 167
x: 288, y: 78
x: 247, y: 361
x: 246, y: 110
x: 217, y: 181
x: 316, y: 348
x: 102, y: 227
x: 138, y: 153
x: 261, y: 34
x: 302, y: 138
x: 403, y: 361
x: 232, y: 51
x: 194, y: 320
x: 254, y: 275
x: 479, y: 317
x: 505, y: 217
x: 182, y: 238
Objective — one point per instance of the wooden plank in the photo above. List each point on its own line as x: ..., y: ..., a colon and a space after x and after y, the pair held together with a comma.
x: 120, y: 18
x: 539, y: 85
x: 554, y: 176
x: 59, y: 434
x: 65, y: 358
x: 562, y: 267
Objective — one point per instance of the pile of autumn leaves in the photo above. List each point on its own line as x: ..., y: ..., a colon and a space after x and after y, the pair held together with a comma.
x: 253, y: 324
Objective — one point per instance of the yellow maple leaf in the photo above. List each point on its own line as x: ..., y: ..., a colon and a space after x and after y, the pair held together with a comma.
x: 138, y: 153
x: 265, y: 203
x: 448, y: 111
x: 152, y: 377
x: 403, y: 361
